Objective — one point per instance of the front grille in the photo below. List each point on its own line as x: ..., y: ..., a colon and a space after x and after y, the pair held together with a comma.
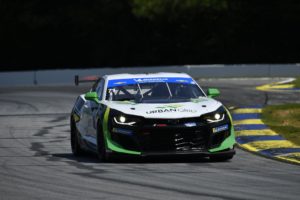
x: 192, y: 141
x: 170, y: 139
x: 150, y: 122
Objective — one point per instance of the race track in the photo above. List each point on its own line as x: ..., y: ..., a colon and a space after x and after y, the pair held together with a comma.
x: 36, y: 160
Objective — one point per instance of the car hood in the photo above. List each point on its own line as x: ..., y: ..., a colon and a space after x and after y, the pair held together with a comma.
x: 193, y: 108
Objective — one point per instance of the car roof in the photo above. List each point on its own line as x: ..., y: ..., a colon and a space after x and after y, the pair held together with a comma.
x: 148, y: 75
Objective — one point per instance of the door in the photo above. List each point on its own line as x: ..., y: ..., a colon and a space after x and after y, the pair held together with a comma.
x: 95, y: 108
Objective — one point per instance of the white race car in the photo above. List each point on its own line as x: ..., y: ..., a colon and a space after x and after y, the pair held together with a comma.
x: 151, y: 114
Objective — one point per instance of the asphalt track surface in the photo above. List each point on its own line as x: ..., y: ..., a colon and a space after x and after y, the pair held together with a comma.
x: 36, y: 160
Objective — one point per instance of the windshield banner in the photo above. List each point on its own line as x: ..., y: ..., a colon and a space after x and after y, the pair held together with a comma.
x: 131, y: 81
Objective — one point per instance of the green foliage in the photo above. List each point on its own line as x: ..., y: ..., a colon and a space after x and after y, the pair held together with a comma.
x: 38, y: 33
x: 296, y: 82
x: 284, y: 119
x: 173, y: 9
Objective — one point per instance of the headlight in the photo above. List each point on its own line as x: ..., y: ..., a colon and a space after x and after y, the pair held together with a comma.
x: 123, y: 120
x: 217, y: 116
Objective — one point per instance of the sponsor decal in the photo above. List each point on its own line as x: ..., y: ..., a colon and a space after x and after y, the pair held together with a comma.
x: 120, y: 83
x: 190, y: 124
x: 199, y: 100
x: 127, y: 102
x: 160, y: 125
x: 169, y: 106
x: 170, y: 109
x: 149, y: 80
x: 122, y: 131
x: 181, y: 81
x: 220, y: 128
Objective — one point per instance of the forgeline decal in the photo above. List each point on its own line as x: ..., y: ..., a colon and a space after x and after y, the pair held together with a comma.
x: 170, y: 109
x: 220, y: 128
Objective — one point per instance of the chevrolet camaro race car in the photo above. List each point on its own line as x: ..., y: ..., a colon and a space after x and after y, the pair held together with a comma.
x: 151, y: 114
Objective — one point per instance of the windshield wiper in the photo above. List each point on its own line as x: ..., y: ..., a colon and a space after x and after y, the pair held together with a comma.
x: 170, y: 93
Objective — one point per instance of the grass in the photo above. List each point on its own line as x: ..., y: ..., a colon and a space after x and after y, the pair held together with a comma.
x: 296, y: 82
x: 284, y: 119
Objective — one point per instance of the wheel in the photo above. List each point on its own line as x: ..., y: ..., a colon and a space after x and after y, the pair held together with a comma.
x: 101, y: 149
x: 76, y: 148
x: 221, y: 158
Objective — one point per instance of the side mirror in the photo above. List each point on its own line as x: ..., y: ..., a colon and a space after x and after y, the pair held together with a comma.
x: 213, y: 92
x: 92, y: 96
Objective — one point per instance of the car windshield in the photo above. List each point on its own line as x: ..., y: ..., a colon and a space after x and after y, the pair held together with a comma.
x: 154, y: 92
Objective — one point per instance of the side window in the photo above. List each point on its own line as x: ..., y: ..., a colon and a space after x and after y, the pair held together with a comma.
x: 94, y: 87
x: 100, y: 88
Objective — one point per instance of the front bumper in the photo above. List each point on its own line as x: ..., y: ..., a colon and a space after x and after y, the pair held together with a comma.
x: 173, y: 154
x: 150, y: 138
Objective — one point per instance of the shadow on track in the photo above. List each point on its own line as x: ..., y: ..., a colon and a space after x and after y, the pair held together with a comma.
x: 92, y: 158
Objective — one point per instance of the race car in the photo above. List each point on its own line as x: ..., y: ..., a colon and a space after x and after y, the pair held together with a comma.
x: 150, y: 115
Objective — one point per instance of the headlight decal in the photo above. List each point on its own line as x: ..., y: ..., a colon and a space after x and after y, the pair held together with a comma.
x: 216, y: 116
x: 122, y: 120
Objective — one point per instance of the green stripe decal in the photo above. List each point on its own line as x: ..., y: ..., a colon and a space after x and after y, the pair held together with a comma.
x: 111, y: 144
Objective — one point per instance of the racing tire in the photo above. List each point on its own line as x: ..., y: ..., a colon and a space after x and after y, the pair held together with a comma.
x: 101, y: 148
x: 220, y: 158
x: 75, y: 145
